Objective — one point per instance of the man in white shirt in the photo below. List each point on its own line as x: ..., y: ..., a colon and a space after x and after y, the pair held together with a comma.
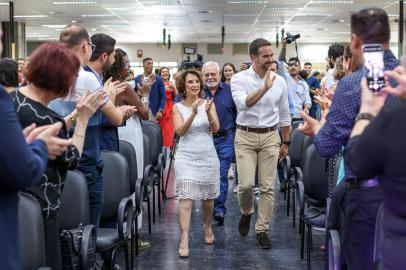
x: 261, y: 98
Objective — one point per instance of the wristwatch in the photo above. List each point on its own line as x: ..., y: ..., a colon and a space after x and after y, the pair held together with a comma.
x: 364, y: 116
x: 287, y: 143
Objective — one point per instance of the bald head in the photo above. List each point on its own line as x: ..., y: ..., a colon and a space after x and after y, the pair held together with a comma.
x: 74, y: 35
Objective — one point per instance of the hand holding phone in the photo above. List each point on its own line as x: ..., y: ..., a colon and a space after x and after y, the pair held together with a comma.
x: 374, y: 66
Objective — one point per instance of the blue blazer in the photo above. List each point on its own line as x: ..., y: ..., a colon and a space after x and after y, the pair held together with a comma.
x: 157, y: 96
x: 32, y: 161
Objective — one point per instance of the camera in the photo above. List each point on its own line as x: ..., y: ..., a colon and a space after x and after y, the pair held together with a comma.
x: 291, y: 38
x: 187, y: 63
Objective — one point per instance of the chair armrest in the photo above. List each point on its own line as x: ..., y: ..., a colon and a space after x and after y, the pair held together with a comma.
x: 148, y: 172
x: 125, y: 213
x: 287, y: 168
x: 334, y: 250
x: 88, y: 234
x: 328, y: 203
x: 300, y: 197
x: 161, y: 162
x: 139, y: 194
x: 298, y: 174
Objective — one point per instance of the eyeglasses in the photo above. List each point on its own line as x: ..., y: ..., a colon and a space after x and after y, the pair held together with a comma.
x: 92, y: 46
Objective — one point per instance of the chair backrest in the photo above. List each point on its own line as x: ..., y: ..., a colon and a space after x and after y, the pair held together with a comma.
x: 155, y: 137
x: 307, y: 141
x: 31, y: 229
x: 157, y: 128
x: 147, y: 150
x: 295, y: 148
x: 74, y: 207
x: 315, y: 177
x: 116, y: 182
x: 128, y: 151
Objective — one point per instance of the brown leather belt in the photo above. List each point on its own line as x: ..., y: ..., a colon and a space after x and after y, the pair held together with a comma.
x: 257, y: 130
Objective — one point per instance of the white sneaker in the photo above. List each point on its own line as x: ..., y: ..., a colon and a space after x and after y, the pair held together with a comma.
x: 235, y: 190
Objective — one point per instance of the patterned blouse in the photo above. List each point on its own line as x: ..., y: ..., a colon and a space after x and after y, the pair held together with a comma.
x: 51, y: 187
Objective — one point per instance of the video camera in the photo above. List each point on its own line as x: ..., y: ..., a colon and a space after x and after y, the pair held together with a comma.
x: 291, y: 38
x: 187, y: 64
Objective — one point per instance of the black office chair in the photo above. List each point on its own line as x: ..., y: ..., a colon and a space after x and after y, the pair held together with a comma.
x: 76, y: 196
x: 154, y: 133
x: 312, y: 191
x: 293, y: 165
x: 117, y: 205
x: 136, y: 186
x: 31, y: 230
x: 148, y: 180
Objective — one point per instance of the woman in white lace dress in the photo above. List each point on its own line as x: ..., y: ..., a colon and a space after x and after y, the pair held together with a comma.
x: 197, y: 168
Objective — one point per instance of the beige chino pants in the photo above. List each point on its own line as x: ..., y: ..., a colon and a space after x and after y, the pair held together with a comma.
x: 252, y: 149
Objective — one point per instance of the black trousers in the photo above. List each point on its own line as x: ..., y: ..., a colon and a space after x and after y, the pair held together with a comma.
x: 359, y: 207
x: 52, y: 243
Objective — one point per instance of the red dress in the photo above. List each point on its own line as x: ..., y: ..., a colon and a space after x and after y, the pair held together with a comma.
x: 166, y: 122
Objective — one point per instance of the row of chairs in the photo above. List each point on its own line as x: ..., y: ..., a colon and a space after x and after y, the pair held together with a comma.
x: 120, y: 181
x: 305, y: 173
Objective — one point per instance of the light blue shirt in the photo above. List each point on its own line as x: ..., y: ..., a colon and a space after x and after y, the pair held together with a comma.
x: 298, y: 92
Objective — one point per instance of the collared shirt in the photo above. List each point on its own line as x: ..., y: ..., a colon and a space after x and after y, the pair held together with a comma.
x: 109, y: 133
x: 281, y: 71
x: 330, y: 81
x: 272, y: 109
x: 299, y: 93
x: 345, y: 107
x: 225, y: 106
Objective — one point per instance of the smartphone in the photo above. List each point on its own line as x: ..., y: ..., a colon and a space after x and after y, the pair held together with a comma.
x: 374, y: 66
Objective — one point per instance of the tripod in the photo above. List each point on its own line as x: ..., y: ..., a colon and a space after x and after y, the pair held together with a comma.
x: 172, y: 157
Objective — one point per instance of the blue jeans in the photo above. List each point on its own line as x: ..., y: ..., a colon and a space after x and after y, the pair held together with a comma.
x: 94, y: 178
x: 315, y: 111
x: 225, y: 151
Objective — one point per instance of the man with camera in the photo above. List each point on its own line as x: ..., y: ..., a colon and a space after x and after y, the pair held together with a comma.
x: 261, y: 98
x: 297, y: 86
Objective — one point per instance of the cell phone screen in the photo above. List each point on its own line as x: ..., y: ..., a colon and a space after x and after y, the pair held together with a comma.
x: 374, y: 66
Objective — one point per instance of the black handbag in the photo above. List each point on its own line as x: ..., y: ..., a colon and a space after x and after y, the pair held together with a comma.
x: 78, y: 248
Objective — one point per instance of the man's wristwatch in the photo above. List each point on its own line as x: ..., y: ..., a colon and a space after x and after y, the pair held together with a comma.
x: 364, y: 116
x: 286, y: 142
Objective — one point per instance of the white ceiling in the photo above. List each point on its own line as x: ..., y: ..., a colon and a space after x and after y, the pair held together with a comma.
x: 134, y: 21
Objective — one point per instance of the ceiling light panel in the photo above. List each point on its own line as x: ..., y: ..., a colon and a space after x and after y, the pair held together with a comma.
x: 332, y: 2
x: 282, y: 8
x: 75, y: 3
x: 240, y: 15
x: 160, y: 2
x: 97, y: 15
x: 247, y: 2
x: 30, y: 16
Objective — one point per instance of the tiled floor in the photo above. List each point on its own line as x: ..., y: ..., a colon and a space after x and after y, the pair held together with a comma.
x: 231, y: 251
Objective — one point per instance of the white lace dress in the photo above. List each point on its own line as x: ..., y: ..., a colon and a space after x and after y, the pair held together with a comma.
x: 197, y: 167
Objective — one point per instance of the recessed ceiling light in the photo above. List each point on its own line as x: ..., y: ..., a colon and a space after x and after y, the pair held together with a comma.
x: 30, y: 16
x: 52, y: 12
x: 97, y: 15
x: 240, y: 15
x: 205, y: 11
x: 94, y: 29
x: 160, y: 2
x: 75, y: 3
x: 54, y: 25
x: 314, y: 15
x: 255, y: 2
x: 281, y: 8
x: 74, y: 21
x: 3, y: 4
x: 126, y: 9
x: 332, y: 2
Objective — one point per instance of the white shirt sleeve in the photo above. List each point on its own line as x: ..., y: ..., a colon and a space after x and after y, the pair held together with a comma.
x: 239, y: 93
x: 308, y: 100
x: 284, y: 113
x: 87, y: 82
